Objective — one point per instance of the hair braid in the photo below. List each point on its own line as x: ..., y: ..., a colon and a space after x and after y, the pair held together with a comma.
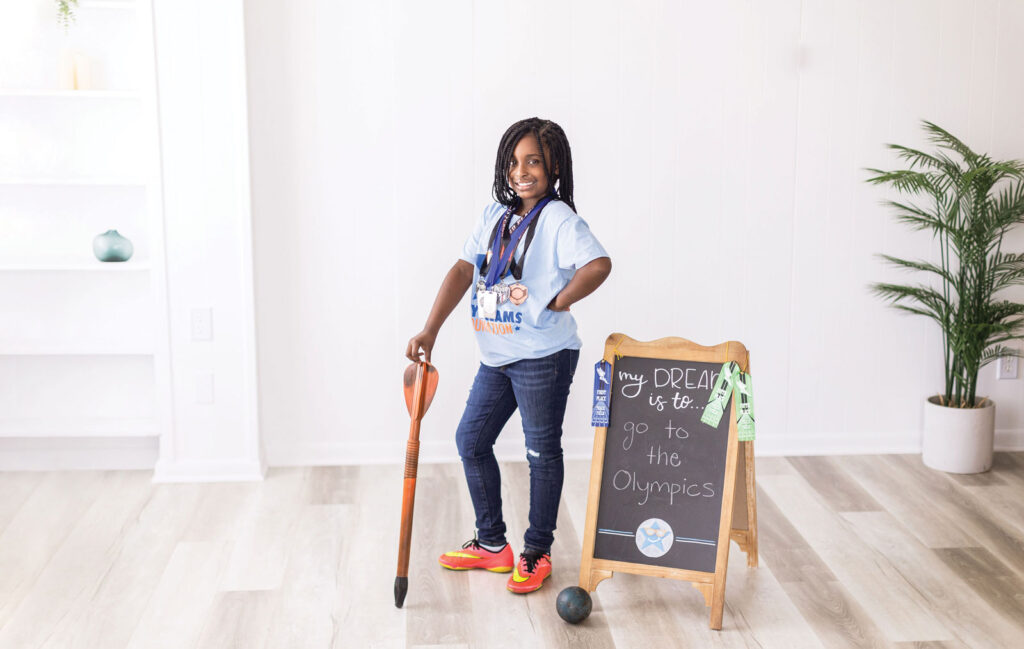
x: 547, y: 133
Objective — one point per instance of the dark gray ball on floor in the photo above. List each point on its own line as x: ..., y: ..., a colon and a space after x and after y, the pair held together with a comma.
x: 573, y: 604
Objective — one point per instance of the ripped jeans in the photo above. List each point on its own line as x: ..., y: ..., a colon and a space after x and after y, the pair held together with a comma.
x: 539, y: 387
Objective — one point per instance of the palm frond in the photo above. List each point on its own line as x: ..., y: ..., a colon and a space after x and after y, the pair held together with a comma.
x: 921, y: 265
x: 996, y: 352
x: 911, y: 182
x: 945, y: 139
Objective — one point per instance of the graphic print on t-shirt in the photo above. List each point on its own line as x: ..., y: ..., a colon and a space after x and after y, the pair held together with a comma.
x: 506, y: 321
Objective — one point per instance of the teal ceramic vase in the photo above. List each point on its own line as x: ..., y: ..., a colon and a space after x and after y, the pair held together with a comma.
x: 111, y: 246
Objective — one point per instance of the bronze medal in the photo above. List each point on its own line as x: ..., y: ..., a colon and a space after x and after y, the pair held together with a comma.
x: 517, y: 294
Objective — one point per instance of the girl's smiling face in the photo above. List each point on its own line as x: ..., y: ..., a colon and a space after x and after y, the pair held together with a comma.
x: 526, y: 173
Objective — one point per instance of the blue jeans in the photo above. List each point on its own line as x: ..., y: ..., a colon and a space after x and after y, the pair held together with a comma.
x: 539, y: 387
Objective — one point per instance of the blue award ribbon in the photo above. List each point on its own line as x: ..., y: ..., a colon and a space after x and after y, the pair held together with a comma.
x: 602, y: 386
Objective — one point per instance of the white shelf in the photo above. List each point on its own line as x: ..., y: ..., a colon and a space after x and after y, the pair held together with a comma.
x: 75, y: 266
x: 78, y: 427
x: 48, y: 93
x: 72, y: 351
x: 71, y: 182
x: 107, y: 4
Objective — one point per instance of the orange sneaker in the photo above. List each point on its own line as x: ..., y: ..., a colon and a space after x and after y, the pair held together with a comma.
x: 531, y: 571
x: 472, y: 555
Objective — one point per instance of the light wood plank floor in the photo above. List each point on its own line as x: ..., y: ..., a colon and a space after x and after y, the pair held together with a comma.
x: 865, y: 551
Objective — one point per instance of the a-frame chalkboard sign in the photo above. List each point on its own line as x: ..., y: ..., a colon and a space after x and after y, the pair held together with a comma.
x: 668, y: 492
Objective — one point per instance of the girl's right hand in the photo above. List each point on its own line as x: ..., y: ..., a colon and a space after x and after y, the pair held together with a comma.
x: 421, y: 343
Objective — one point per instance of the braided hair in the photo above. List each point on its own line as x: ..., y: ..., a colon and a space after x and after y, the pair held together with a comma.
x: 547, y: 134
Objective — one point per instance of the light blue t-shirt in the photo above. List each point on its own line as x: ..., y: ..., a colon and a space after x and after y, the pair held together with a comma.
x: 561, y: 243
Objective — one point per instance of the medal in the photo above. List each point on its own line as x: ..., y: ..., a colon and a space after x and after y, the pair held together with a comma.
x: 487, y: 303
x: 502, y: 291
x: 481, y: 285
x: 518, y: 294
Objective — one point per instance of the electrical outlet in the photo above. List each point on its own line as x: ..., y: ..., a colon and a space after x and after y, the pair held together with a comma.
x: 204, y: 388
x: 1006, y: 367
x: 202, y: 324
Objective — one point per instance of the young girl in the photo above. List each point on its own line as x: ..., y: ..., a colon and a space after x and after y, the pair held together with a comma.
x: 528, y: 259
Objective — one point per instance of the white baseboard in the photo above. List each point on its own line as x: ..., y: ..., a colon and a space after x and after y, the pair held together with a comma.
x: 141, y: 453
x: 1010, y: 440
x: 860, y: 444
x: 393, y: 452
x: 208, y: 471
x: 865, y: 444
x: 512, y: 449
x: 78, y: 453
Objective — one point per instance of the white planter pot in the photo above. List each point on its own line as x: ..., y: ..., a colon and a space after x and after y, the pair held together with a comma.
x: 958, y: 440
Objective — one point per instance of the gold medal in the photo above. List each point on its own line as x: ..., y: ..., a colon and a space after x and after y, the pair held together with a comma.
x: 517, y: 294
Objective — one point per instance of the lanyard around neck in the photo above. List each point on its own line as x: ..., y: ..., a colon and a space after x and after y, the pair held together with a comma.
x: 501, y: 255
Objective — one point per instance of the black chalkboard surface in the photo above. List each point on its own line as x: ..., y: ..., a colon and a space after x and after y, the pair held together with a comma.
x: 664, y: 470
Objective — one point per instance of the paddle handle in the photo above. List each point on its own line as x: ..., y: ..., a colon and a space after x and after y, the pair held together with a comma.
x: 408, y: 496
x: 412, y: 457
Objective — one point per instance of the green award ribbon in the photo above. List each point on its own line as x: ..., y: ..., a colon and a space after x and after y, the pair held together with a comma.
x: 743, y: 391
x: 723, y: 387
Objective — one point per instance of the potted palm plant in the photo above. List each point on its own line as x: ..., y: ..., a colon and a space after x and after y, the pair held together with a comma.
x: 968, y: 202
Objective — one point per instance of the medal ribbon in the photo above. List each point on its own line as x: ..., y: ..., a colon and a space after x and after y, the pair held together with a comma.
x: 501, y: 256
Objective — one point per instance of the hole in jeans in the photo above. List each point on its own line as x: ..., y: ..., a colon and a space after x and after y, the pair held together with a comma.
x: 532, y: 453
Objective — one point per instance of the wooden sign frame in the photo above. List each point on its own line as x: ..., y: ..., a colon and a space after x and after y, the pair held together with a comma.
x: 738, y: 520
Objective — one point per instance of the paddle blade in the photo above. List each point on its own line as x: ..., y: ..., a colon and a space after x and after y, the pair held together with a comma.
x: 429, y: 379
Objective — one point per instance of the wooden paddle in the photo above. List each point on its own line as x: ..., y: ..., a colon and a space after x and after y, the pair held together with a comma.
x: 420, y: 384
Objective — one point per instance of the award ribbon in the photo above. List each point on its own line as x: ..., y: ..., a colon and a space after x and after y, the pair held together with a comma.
x: 744, y: 394
x: 499, y: 260
x: 732, y: 380
x: 602, y: 385
x: 720, y: 394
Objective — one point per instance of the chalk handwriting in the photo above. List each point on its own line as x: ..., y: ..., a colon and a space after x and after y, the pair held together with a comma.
x: 690, y: 378
x: 624, y: 480
x: 632, y: 430
x: 635, y: 383
x: 681, y: 402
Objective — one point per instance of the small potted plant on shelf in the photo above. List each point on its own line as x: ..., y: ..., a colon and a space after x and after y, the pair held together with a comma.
x: 66, y: 12
x: 74, y: 68
x: 968, y: 202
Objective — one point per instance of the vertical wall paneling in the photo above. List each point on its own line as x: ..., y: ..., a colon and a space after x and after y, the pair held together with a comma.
x: 720, y: 153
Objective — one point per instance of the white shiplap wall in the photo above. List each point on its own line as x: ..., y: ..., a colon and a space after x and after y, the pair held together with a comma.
x: 719, y: 152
